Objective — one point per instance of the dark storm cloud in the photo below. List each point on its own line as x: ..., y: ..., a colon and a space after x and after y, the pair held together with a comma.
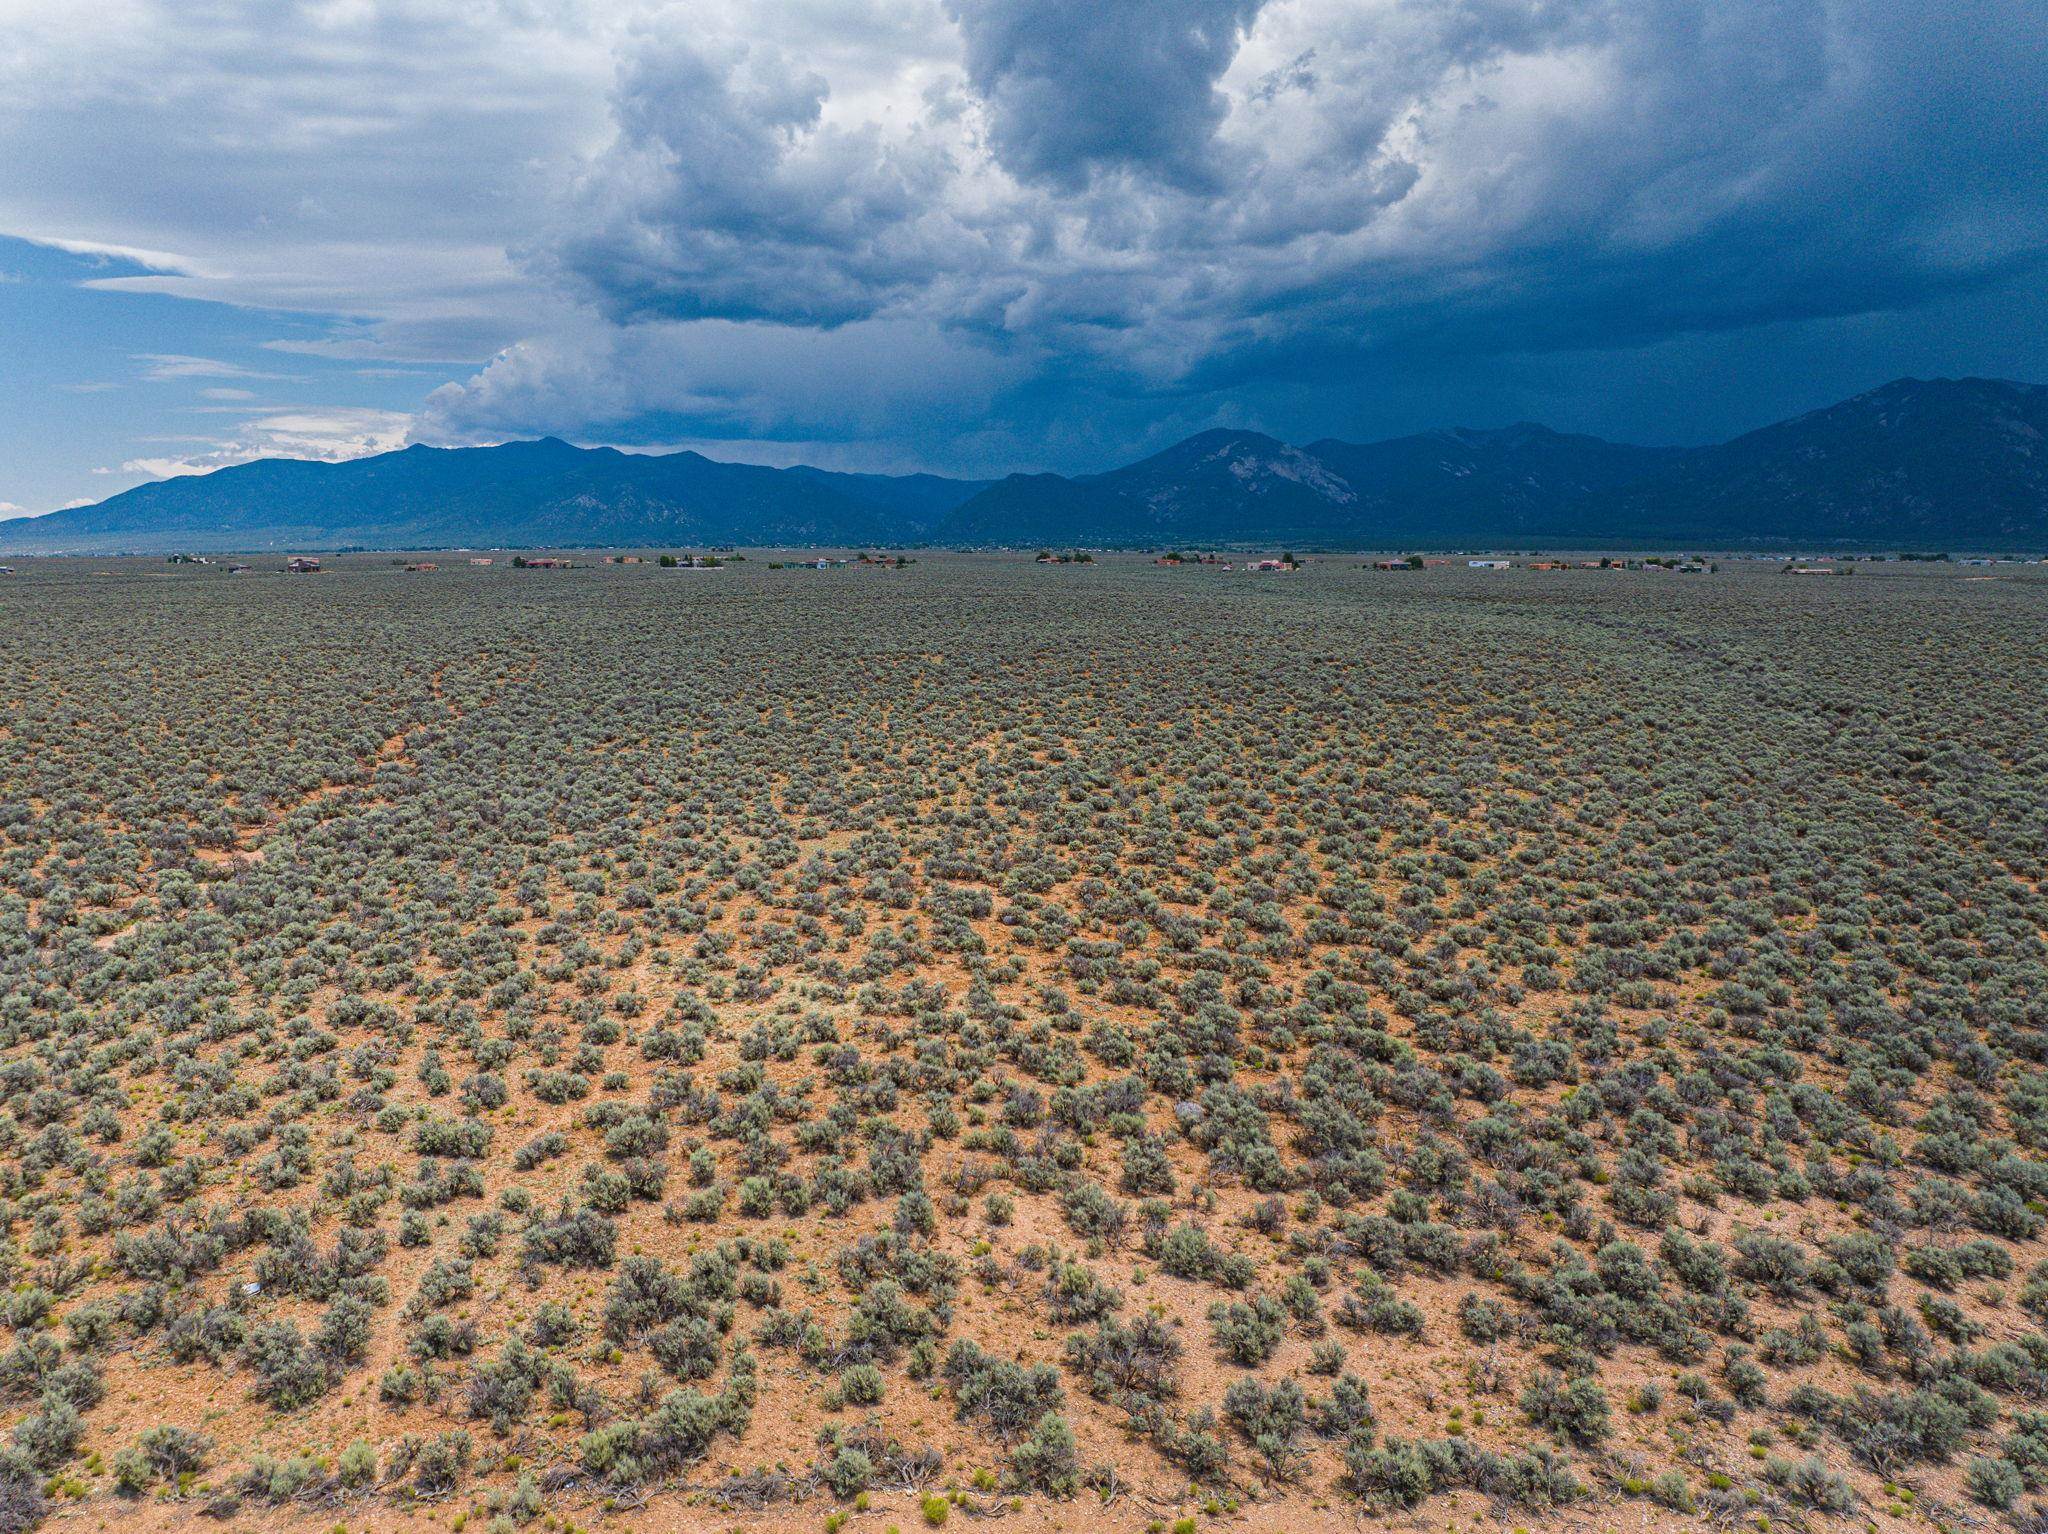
x: 1075, y: 86
x: 1038, y: 230
x: 1185, y: 202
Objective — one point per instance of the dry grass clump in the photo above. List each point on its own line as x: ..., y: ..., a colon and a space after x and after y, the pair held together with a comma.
x: 904, y: 1042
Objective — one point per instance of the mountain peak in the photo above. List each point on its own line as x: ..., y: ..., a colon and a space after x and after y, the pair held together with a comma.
x: 1218, y: 440
x: 527, y: 492
x: 1930, y: 389
x: 1911, y: 463
x: 1518, y: 434
x: 1920, y: 406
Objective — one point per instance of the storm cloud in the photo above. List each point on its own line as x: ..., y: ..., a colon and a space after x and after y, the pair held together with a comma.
x: 995, y: 233
x: 1071, y: 87
x: 1192, y: 199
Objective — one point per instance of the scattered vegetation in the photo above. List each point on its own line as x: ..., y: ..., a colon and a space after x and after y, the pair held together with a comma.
x: 1560, y: 1041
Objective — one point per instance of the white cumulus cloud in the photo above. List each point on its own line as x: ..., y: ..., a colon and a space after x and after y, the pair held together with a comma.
x: 331, y: 435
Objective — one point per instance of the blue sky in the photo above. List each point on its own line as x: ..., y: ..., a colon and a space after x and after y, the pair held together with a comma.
x: 978, y: 235
x: 103, y: 390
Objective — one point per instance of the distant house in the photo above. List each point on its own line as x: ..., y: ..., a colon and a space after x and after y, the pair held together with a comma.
x: 1487, y: 564
x: 299, y: 564
x: 544, y: 562
x: 423, y: 566
x: 483, y: 561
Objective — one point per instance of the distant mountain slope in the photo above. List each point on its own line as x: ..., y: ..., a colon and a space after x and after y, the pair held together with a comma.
x: 533, y: 493
x: 1225, y: 486
x: 918, y: 499
x: 1501, y: 483
x: 1916, y: 463
x: 1948, y: 460
x: 1214, y: 487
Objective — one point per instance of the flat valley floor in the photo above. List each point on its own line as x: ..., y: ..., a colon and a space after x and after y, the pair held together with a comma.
x: 1102, y: 1046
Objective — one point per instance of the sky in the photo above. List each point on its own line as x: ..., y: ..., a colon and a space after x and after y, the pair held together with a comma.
x: 976, y: 236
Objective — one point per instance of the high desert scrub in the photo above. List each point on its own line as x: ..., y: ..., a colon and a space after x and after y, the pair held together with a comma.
x: 981, y: 1037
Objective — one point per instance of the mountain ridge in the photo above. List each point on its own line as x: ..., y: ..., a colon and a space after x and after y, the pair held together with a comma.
x: 1915, y: 462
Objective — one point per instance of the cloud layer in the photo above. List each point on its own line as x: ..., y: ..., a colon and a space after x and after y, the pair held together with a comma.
x: 330, y: 435
x: 1118, y: 197
x: 977, y: 232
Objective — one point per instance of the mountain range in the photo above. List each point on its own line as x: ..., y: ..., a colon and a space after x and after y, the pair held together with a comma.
x: 1917, y: 463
